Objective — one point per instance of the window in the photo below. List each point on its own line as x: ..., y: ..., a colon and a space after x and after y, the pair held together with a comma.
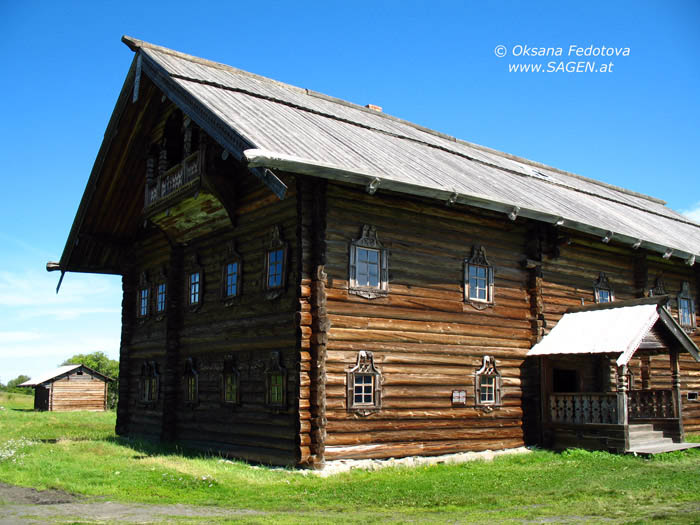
x: 194, y: 282
x: 369, y: 276
x: 195, y: 288
x: 148, y: 382
x: 478, y: 279
x: 143, y: 296
x: 231, y: 274
x: 191, y: 382
x: 143, y: 302
x: 276, y: 388
x: 686, y: 308
x: 487, y: 383
x: 160, y: 297
x: 364, y: 384
x: 231, y: 279
x: 230, y: 380
x: 276, y: 383
x: 603, y: 290
x: 275, y: 264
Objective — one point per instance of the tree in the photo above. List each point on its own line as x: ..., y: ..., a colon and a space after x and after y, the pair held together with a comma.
x: 99, y: 362
x: 12, y: 385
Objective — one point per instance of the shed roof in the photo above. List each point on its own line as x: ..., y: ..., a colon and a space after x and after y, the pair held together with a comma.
x: 613, y: 328
x: 269, y: 125
x: 53, y: 375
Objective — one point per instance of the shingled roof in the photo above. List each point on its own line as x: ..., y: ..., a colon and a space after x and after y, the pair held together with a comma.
x: 271, y: 126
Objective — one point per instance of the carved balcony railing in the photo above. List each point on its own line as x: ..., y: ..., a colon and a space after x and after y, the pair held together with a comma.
x: 651, y: 404
x: 584, y: 408
x: 177, y: 178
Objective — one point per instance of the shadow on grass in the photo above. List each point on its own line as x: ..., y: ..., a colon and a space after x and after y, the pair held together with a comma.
x: 24, y: 410
x: 148, y: 449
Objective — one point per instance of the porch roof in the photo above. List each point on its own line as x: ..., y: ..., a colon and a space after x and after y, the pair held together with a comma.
x: 616, y: 328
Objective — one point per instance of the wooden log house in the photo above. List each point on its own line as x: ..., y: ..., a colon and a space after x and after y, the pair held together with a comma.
x: 69, y: 388
x: 306, y: 280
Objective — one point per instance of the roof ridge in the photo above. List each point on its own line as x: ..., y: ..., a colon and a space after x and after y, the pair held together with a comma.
x: 134, y: 44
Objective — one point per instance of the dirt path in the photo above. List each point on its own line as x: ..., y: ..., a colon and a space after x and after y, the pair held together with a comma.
x: 26, y: 505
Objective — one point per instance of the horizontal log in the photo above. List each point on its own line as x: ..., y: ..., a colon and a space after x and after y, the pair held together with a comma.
x: 430, y: 448
x: 442, y: 434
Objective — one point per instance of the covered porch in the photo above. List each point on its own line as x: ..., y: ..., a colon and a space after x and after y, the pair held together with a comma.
x: 610, y: 378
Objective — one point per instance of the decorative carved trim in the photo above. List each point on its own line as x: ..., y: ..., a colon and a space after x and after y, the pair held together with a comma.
x: 364, y: 366
x: 369, y: 240
x: 488, y: 369
x: 603, y: 284
x: 478, y: 259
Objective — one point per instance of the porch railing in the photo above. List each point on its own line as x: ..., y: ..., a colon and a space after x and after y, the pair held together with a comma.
x: 584, y: 408
x: 651, y: 404
x: 174, y: 179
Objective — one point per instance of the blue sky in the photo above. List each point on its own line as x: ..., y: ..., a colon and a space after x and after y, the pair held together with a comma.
x: 432, y: 63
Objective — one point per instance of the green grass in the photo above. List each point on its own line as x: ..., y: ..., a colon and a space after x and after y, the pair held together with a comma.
x: 577, y: 485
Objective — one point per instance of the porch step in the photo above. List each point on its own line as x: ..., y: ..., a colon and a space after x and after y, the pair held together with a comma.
x: 643, y: 439
x: 660, y: 449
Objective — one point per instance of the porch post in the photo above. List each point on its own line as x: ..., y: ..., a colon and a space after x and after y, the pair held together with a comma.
x: 676, y: 389
x: 622, y: 417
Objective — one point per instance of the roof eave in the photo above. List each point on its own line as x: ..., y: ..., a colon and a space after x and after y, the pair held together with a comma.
x: 268, y: 159
x: 124, y: 96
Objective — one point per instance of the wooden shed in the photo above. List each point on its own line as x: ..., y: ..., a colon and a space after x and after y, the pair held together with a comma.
x: 69, y: 388
x: 305, y: 279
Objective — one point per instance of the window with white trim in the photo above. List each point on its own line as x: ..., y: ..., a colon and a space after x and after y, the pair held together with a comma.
x: 364, y: 384
x: 478, y: 279
x: 686, y: 308
x: 487, y: 383
x: 368, y: 268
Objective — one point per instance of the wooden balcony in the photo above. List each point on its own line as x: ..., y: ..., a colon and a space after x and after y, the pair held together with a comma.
x: 175, y: 181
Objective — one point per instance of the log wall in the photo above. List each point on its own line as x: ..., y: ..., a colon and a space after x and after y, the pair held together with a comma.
x: 426, y: 341
x: 78, y: 392
x: 251, y: 329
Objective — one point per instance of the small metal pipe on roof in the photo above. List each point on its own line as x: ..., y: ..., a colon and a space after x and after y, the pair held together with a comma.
x: 608, y: 237
x: 514, y: 213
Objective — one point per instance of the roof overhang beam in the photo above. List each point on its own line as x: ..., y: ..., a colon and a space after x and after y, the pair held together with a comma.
x: 264, y: 158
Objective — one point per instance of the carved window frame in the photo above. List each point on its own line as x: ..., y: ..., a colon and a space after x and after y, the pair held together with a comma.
x: 230, y: 375
x: 364, y: 368
x: 143, y: 297
x: 275, y: 245
x: 490, y: 372
x: 686, y: 318
x: 478, y: 261
x: 275, y: 376
x: 601, y: 287
x: 190, y: 383
x: 149, y: 383
x: 194, y: 268
x: 368, y: 242
x: 232, y: 258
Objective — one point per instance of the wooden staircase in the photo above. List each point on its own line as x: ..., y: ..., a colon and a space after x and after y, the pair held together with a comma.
x: 643, y: 439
